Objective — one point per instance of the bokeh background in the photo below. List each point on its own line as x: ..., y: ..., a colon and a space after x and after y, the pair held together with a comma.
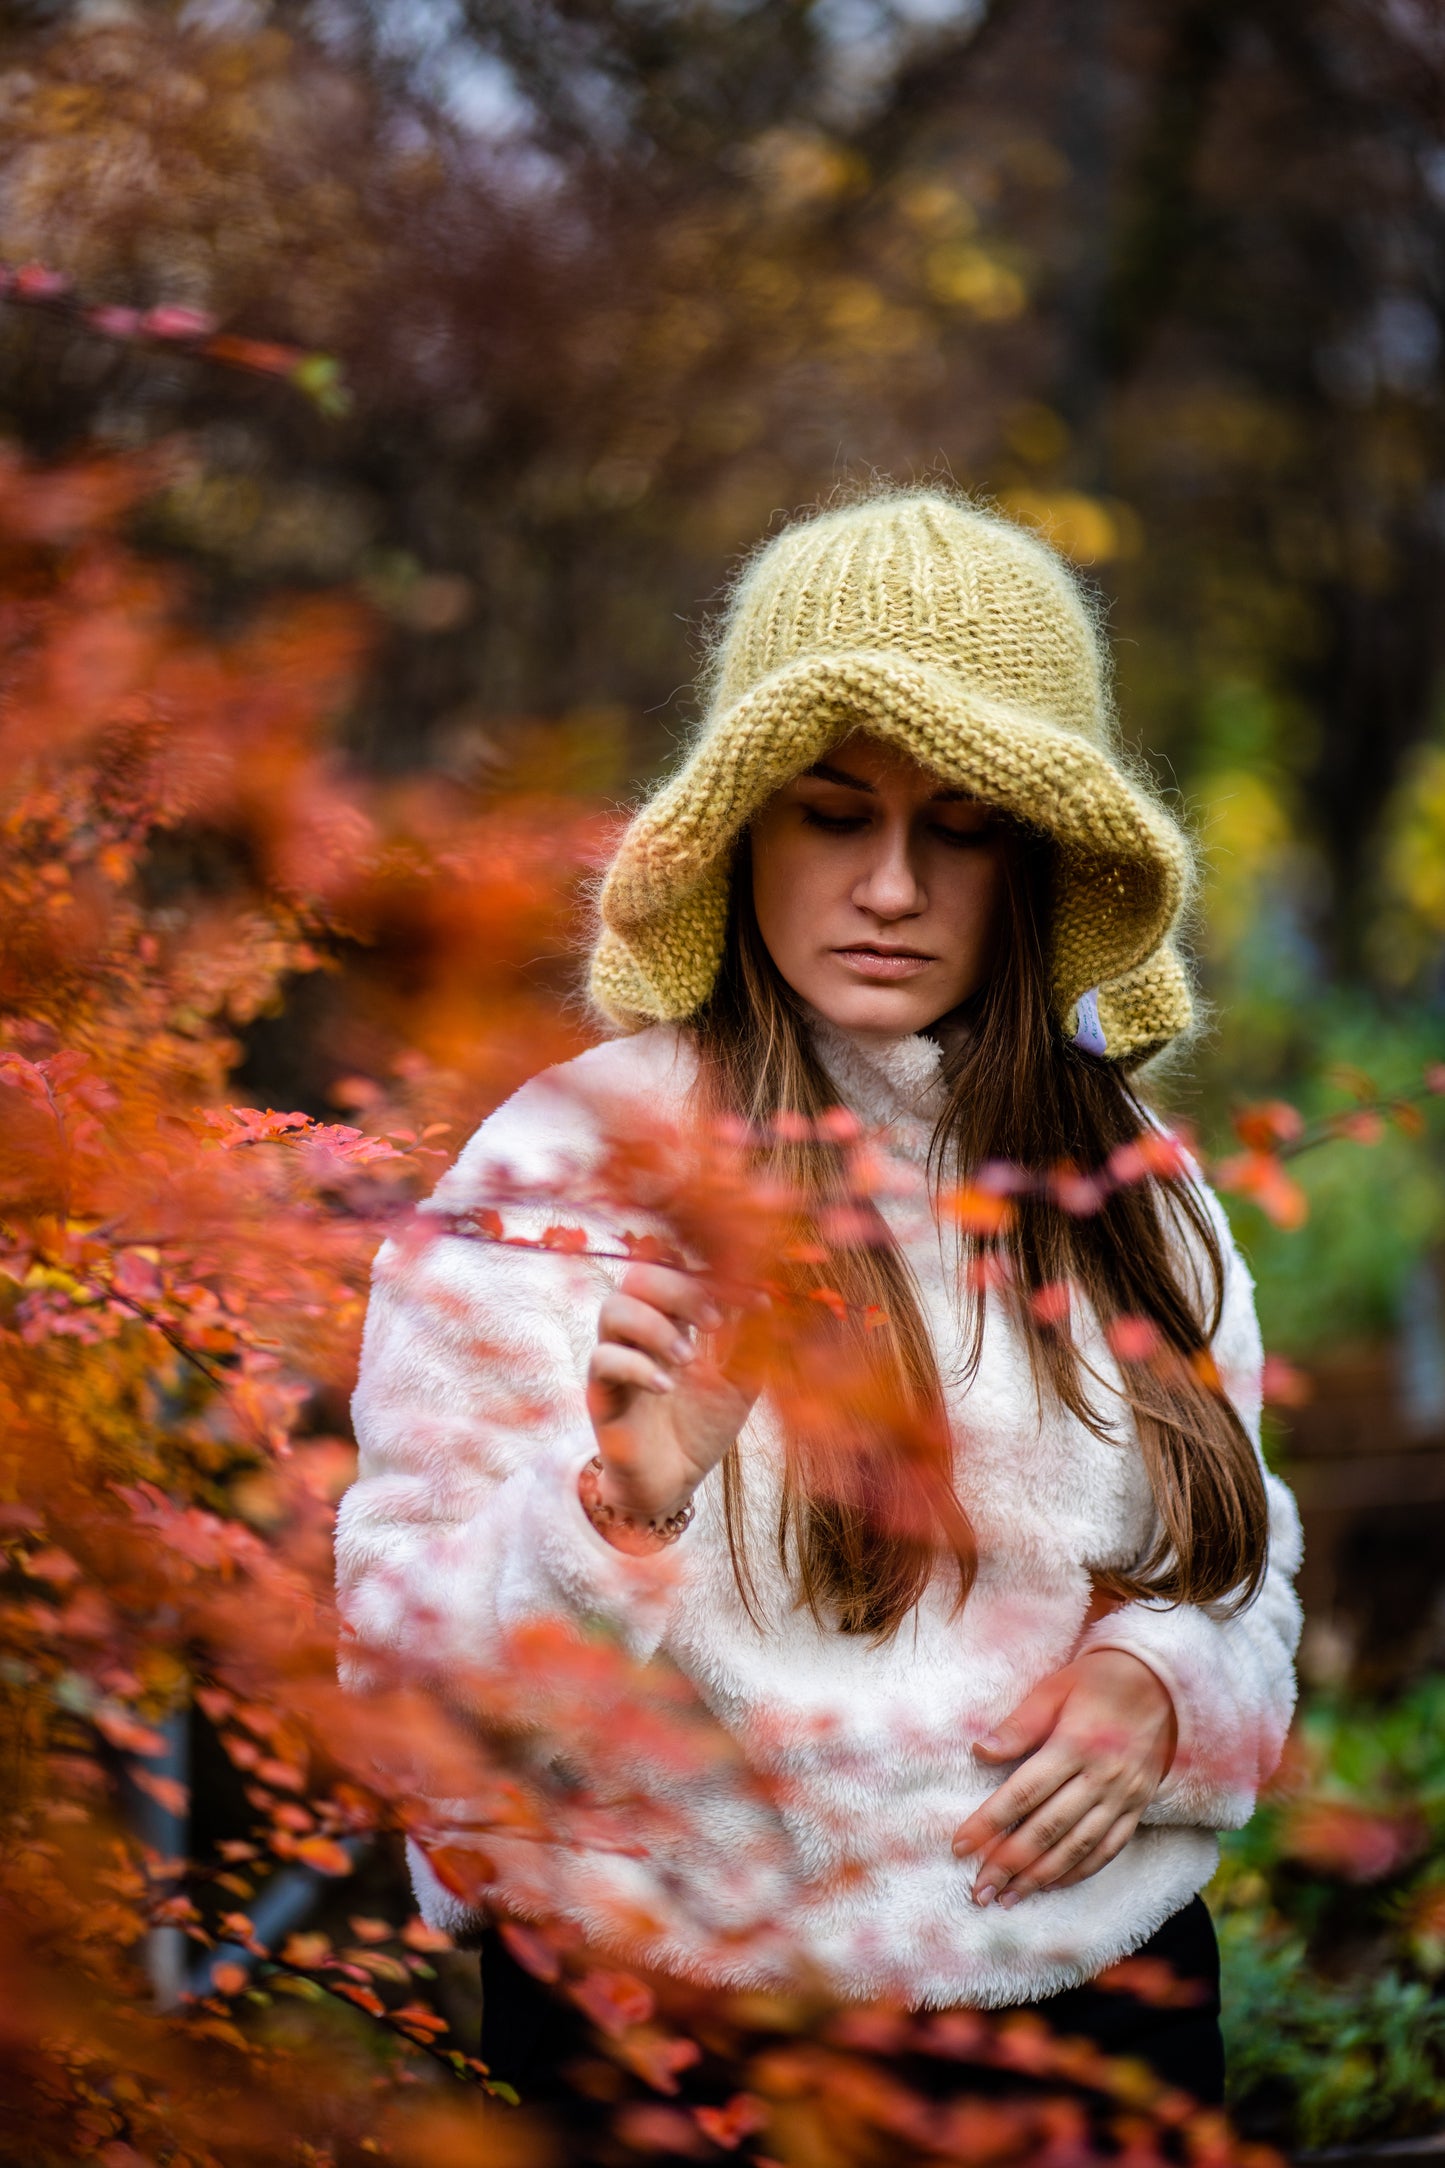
x: 590, y: 294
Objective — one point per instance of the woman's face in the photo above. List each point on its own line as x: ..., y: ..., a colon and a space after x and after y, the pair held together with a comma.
x: 877, y: 888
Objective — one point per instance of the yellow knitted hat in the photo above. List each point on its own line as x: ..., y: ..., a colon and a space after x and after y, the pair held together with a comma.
x: 966, y: 641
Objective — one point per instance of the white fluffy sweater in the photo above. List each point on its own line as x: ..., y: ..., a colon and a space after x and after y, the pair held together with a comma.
x: 464, y: 1524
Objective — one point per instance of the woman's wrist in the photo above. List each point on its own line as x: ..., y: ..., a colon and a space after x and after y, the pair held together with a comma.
x: 623, y: 1526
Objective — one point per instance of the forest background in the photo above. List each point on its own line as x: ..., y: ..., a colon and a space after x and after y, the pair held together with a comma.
x: 423, y: 371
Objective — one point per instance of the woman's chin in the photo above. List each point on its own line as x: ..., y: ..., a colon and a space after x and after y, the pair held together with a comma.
x: 897, y: 1010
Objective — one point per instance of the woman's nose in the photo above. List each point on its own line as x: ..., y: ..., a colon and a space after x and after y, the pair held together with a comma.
x: 890, y: 887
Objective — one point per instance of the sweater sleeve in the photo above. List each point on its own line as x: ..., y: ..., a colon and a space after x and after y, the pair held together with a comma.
x: 470, y: 1412
x: 1232, y: 1679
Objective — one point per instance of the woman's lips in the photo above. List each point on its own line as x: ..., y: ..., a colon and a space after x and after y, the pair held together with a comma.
x: 871, y: 965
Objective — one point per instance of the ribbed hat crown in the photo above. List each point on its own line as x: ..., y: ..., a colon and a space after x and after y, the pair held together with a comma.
x: 947, y: 584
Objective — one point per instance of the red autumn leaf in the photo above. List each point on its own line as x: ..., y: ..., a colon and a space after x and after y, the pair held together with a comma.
x: 1272, y: 1122
x: 136, y: 1276
x: 60, y: 1570
x: 172, y: 322
x: 1133, y: 1339
x: 285, y: 1775
x: 613, y: 2000
x: 532, y: 1950
x: 1260, y: 1177
x: 978, y: 1211
x: 417, y: 2018
x: 417, y: 1935
x: 306, y: 1951
x: 791, y: 1128
x: 1075, y: 1193
x: 1284, y: 1385
x: 651, y: 1250
x: 659, y: 2058
x: 1052, y: 1304
x: 741, y: 2117
x: 366, y: 1930
x: 259, y: 354
x: 167, y: 1792
x: 1336, y: 1837
x: 466, y: 1873
x: 365, y: 1998
x: 570, y: 1240
x: 324, y: 1854
x: 229, y: 1979
x: 37, y: 282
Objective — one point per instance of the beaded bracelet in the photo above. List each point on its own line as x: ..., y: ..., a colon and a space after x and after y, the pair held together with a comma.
x: 604, y: 1516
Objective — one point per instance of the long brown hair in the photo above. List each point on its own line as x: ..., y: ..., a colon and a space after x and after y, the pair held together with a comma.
x: 868, y: 1510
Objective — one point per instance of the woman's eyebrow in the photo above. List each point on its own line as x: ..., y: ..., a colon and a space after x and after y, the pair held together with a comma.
x: 825, y: 772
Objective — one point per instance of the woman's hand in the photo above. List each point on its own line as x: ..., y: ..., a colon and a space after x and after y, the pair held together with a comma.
x: 1099, y: 1736
x: 663, y: 1412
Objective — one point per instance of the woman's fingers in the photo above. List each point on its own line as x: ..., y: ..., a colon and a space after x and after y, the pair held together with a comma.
x: 1110, y: 1845
x: 1027, y: 1726
x: 1029, y: 1786
x: 1049, y: 1824
x: 681, y: 1296
x: 627, y: 1320
x: 615, y: 1372
x: 1070, y: 1852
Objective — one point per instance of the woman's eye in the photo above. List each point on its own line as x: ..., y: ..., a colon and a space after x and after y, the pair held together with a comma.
x: 834, y: 824
x: 965, y: 838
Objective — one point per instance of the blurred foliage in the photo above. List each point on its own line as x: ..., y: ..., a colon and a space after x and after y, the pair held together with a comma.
x: 614, y: 284
x: 1331, y: 1912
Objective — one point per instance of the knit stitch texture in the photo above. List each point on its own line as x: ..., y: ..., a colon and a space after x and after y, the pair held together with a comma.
x: 964, y: 640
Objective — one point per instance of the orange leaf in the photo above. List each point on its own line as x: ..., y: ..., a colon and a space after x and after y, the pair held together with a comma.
x: 418, y: 1936
x: 1284, y: 1385
x: 531, y: 1950
x: 1133, y: 1339
x: 1338, y: 1838
x: 123, y: 1730
x: 613, y: 2000
x: 307, y: 1951
x: 1271, y: 1122
x: 324, y: 1854
x: 371, y: 1930
x: 570, y: 1240
x: 739, y: 2118
x: 362, y: 1996
x: 415, y: 2015
x: 462, y: 1871
x: 174, y: 1796
x: 978, y: 1211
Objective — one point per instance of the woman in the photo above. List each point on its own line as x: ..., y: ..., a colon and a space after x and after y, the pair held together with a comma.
x: 1003, y: 1622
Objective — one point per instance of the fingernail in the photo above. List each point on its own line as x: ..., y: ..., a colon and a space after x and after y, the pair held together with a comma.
x: 711, y: 1319
x: 1009, y: 1898
x: 661, y: 1382
x: 683, y: 1350
x: 990, y: 1742
x: 984, y: 1893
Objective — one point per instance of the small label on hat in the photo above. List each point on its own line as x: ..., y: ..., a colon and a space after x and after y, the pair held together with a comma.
x: 1089, y: 1038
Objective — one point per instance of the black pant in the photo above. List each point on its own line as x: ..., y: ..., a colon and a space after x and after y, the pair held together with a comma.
x: 531, y: 2034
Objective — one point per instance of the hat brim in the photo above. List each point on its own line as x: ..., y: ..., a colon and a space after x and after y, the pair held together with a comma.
x: 1124, y: 867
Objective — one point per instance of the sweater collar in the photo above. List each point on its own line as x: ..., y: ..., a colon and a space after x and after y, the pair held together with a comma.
x: 891, y: 1083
